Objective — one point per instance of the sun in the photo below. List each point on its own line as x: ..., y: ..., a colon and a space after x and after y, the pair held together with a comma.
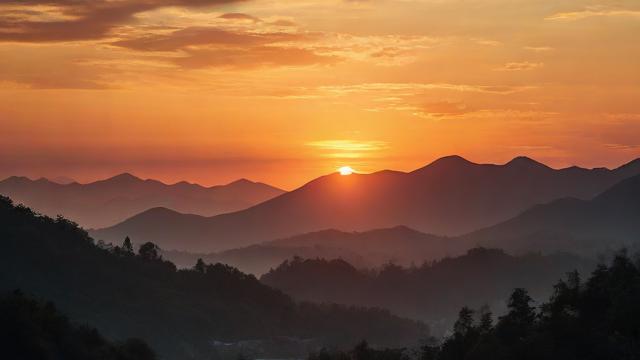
x: 345, y: 170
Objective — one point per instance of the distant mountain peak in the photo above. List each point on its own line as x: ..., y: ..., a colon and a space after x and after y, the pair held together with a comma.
x: 451, y: 161
x: 526, y: 162
x: 17, y: 179
x: 124, y: 177
x: 241, y: 181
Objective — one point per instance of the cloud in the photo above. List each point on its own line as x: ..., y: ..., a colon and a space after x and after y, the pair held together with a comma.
x: 252, y: 57
x: 445, y: 109
x: 183, y: 38
x: 592, y: 12
x: 347, y: 148
x: 417, y: 88
x: 520, y: 66
x: 283, y: 23
x: 539, y: 48
x: 630, y: 147
x: 201, y: 47
x: 239, y: 17
x: 71, y: 20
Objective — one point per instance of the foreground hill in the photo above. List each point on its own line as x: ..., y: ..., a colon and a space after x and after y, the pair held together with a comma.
x: 609, y: 221
x: 181, y: 314
x: 433, y: 292
x: 107, y: 202
x: 449, y: 196
x: 590, y: 319
x: 30, y: 329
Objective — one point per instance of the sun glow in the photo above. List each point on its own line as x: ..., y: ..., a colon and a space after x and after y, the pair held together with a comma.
x: 345, y: 170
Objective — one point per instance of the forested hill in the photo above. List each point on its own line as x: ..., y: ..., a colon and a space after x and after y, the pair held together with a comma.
x: 432, y: 292
x: 30, y: 329
x: 180, y: 313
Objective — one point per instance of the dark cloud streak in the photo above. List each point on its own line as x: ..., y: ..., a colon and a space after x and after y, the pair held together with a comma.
x: 91, y: 20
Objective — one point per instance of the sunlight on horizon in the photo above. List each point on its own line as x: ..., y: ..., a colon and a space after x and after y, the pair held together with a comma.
x: 345, y: 170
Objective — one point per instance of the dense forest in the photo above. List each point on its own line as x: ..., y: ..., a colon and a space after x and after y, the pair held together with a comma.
x: 433, y: 291
x: 30, y: 329
x: 180, y: 313
x: 582, y: 320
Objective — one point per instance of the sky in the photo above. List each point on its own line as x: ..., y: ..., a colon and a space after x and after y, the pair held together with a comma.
x: 279, y: 91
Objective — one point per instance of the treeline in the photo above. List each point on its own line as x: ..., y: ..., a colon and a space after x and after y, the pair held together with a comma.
x: 127, y: 294
x: 30, y: 329
x: 434, y: 291
x: 583, y: 320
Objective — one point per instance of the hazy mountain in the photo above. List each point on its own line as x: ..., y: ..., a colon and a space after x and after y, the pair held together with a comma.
x: 107, y: 202
x: 181, y: 314
x: 433, y: 292
x: 588, y: 227
x: 609, y: 221
x: 369, y: 249
x: 63, y: 180
x: 449, y: 196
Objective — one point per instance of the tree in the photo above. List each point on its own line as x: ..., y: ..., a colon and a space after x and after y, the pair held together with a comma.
x: 485, y: 322
x: 149, y: 251
x: 464, y: 324
x: 127, y: 247
x: 200, y: 266
x: 519, y: 321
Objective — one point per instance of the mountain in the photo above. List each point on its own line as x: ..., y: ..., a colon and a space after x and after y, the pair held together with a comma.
x: 107, y: 202
x: 609, y: 221
x: 63, y: 180
x: 181, y: 314
x: 433, y: 292
x: 449, y: 196
x: 368, y: 249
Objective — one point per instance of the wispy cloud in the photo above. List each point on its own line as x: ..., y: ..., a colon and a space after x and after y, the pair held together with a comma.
x: 520, y: 66
x: 592, y: 12
x: 347, y: 148
x: 539, y: 48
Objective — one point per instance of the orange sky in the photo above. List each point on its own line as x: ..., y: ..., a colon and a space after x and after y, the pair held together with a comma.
x: 283, y: 91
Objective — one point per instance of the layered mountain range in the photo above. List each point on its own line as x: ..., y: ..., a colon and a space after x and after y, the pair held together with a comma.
x: 451, y: 196
x: 107, y: 202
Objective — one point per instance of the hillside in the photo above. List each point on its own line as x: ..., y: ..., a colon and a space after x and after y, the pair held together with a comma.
x: 433, y: 292
x: 366, y: 249
x: 107, y: 202
x: 31, y: 329
x: 450, y: 196
x: 179, y: 313
x: 609, y: 221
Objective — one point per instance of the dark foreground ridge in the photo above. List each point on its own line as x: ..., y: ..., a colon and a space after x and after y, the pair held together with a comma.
x: 587, y: 320
x: 181, y: 314
x: 30, y: 329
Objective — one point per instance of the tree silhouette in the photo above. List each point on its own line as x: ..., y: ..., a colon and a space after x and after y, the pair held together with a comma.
x: 127, y: 247
x: 200, y: 266
x: 149, y: 251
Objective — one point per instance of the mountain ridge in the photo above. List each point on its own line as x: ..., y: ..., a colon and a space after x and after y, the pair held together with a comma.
x: 109, y: 201
x: 450, y: 196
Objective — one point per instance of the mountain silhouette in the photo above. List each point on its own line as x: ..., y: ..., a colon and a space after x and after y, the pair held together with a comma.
x: 107, y: 202
x: 609, y: 221
x: 450, y: 196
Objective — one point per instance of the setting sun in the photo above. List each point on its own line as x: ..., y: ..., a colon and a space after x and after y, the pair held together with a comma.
x: 345, y: 170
